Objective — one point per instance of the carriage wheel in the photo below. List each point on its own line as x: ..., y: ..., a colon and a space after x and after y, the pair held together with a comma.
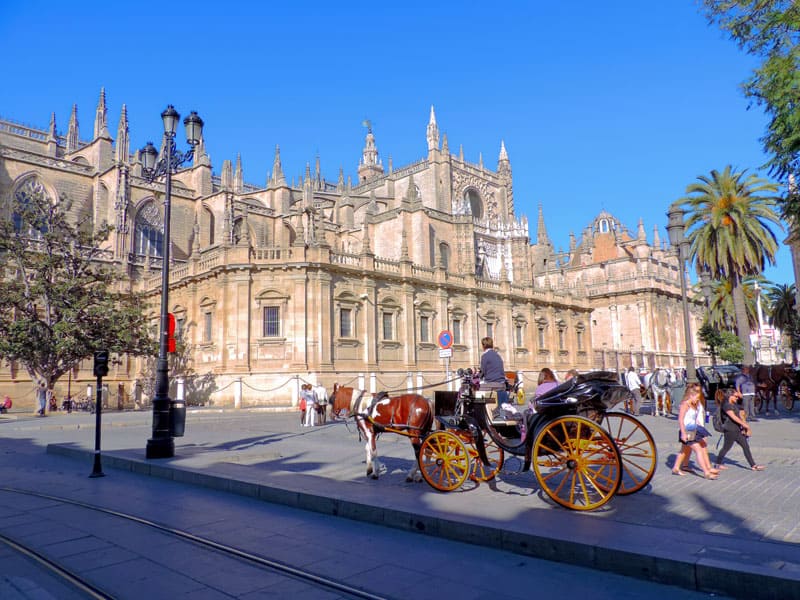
x: 444, y: 461
x: 576, y: 463
x: 480, y: 471
x: 786, y: 394
x: 636, y: 448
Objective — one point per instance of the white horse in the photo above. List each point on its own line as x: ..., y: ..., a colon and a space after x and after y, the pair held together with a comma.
x: 660, y: 382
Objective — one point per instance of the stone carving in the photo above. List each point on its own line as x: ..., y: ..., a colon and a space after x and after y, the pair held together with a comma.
x: 461, y: 182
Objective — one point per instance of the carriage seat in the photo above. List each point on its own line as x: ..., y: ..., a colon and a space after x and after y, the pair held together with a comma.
x: 487, y: 392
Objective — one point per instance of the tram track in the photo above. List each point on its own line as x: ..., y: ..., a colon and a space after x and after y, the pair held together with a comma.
x: 85, y: 586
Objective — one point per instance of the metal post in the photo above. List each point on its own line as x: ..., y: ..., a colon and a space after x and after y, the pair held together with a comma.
x: 97, y: 469
x: 162, y: 444
x: 691, y: 374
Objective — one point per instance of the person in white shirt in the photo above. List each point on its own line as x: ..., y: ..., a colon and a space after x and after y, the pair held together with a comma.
x: 634, y: 384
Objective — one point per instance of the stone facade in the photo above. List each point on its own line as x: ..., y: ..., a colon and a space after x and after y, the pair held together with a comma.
x: 330, y: 282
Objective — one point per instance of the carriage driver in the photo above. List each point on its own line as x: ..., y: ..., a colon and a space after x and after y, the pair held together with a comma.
x: 493, y: 371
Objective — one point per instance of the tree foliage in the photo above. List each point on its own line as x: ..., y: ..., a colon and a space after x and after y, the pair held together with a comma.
x: 781, y: 304
x: 770, y: 29
x: 712, y: 338
x: 731, y: 349
x: 58, y: 296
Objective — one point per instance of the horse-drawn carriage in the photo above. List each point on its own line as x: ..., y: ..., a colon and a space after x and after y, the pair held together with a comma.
x: 582, y: 454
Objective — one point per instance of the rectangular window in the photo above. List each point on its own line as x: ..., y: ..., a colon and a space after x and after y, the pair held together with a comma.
x: 580, y: 340
x: 423, y: 329
x: 179, y: 325
x: 518, y: 331
x: 207, y: 327
x: 456, y: 331
x: 387, y: 326
x: 541, y: 337
x: 346, y: 323
x: 561, y: 339
x: 490, y: 330
x: 272, y: 321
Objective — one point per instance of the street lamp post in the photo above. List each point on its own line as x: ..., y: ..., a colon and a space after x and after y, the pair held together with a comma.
x: 162, y: 444
x: 675, y: 228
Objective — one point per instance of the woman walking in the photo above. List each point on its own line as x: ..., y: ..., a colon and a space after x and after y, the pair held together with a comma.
x: 735, y: 429
x: 692, y: 433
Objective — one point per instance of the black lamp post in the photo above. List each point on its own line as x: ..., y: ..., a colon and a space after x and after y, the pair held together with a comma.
x: 162, y: 444
x: 675, y: 228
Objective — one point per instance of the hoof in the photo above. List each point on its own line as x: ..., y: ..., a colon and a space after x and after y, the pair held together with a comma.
x: 374, y: 475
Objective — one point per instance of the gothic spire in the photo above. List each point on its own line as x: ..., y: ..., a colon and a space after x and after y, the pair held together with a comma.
x: 656, y: 239
x: 72, y: 130
x: 51, y: 131
x: 445, y: 147
x: 317, y: 174
x: 101, y: 117
x: 640, y: 233
x: 433, y: 132
x: 340, y: 183
x: 503, y: 153
x: 541, y: 231
x: 461, y: 152
x: 278, y: 178
x: 238, y: 176
x: 480, y: 160
x: 123, y: 141
x: 226, y: 178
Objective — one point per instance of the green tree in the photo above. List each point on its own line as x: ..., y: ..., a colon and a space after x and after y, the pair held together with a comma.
x: 729, y: 233
x: 769, y: 29
x: 731, y: 349
x: 58, y: 296
x: 712, y: 338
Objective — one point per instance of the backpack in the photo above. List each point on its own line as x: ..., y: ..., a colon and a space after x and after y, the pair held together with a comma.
x: 717, y: 421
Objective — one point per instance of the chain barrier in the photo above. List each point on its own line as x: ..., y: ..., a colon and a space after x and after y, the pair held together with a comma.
x: 424, y: 387
x: 255, y: 389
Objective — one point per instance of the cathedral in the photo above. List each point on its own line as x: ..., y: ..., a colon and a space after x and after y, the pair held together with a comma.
x: 345, y: 281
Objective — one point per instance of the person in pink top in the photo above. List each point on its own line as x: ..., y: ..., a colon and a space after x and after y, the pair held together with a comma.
x: 546, y: 382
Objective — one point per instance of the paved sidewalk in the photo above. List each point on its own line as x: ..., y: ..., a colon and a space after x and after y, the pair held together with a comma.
x: 738, y: 535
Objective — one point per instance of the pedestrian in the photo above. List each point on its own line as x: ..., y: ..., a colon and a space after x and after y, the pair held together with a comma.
x: 634, y: 384
x: 692, y: 433
x: 302, y: 405
x: 311, y: 406
x: 572, y: 373
x: 5, y: 406
x: 746, y: 387
x: 41, y: 397
x: 735, y: 429
x: 321, y: 395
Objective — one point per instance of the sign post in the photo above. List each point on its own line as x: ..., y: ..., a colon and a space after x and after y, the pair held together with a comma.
x: 445, y: 340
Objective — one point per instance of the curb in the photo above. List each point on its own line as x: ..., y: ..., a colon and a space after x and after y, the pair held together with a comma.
x: 701, y: 562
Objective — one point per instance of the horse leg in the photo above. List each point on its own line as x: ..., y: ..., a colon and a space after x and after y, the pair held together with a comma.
x: 415, y: 474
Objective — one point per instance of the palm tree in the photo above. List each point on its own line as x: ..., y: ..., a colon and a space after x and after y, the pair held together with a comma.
x: 781, y: 305
x: 728, y: 224
x: 721, y: 304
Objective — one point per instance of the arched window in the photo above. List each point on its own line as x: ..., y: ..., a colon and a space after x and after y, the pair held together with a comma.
x: 603, y: 225
x: 29, y: 195
x: 473, y: 199
x: 148, y: 237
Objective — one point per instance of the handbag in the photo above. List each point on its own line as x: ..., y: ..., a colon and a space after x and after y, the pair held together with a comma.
x: 690, y: 435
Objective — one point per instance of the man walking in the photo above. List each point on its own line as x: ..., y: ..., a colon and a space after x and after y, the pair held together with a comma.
x: 745, y: 385
x: 634, y: 384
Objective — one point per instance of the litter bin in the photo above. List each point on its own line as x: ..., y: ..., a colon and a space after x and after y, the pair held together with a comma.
x: 177, y: 418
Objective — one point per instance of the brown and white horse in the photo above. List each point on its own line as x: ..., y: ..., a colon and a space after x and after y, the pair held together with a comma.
x: 341, y: 399
x: 409, y: 415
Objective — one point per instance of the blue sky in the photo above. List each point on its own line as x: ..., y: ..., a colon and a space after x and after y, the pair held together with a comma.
x: 614, y: 105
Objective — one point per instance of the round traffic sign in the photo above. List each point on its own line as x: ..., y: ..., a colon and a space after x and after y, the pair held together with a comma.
x: 445, y: 339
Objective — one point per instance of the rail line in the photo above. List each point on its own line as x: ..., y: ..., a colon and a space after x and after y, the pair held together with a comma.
x: 92, y: 591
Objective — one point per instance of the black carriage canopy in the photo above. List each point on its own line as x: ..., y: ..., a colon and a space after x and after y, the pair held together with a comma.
x: 578, y: 389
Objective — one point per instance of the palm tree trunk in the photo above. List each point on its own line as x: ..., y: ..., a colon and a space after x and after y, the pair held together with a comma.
x: 742, y: 324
